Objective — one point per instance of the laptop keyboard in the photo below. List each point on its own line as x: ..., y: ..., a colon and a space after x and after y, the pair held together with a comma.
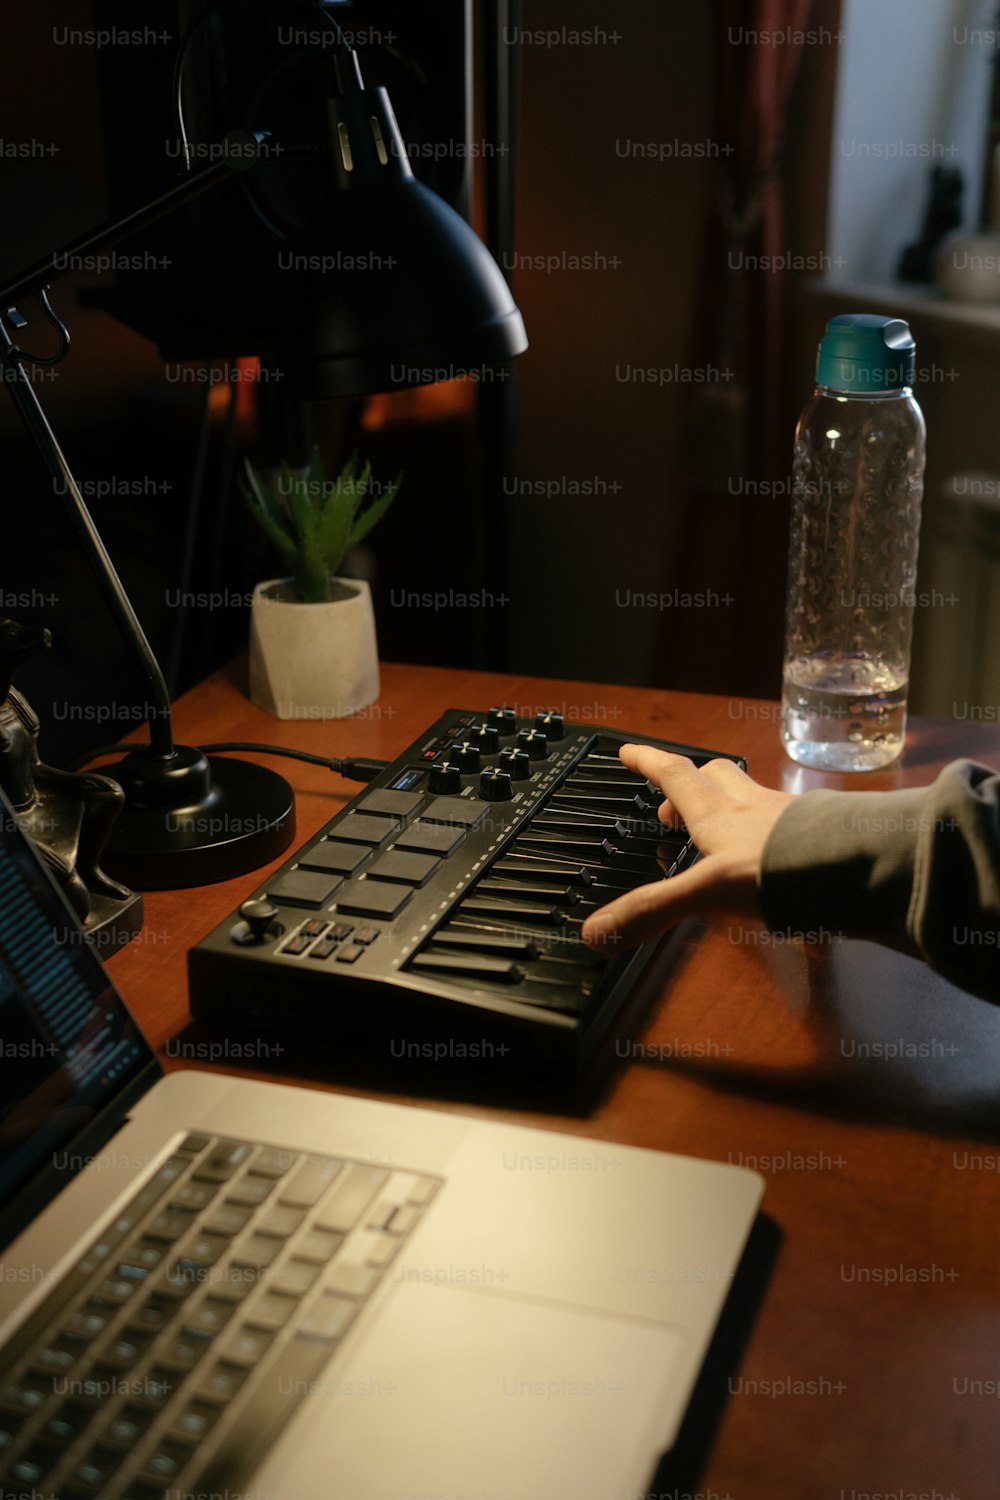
x: 175, y: 1350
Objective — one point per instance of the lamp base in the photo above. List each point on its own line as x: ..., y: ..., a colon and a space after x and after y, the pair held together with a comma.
x: 191, y: 820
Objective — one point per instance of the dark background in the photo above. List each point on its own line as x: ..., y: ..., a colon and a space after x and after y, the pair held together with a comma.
x: 517, y: 522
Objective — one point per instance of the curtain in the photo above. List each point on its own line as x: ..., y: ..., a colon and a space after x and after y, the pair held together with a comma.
x: 740, y: 419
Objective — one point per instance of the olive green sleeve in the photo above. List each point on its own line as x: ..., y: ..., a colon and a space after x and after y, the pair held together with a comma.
x: 916, y: 869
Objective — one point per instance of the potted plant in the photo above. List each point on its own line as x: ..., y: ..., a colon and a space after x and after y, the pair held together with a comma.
x: 313, y: 652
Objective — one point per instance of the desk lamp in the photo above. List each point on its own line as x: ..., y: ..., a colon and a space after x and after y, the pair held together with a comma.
x: 442, y: 310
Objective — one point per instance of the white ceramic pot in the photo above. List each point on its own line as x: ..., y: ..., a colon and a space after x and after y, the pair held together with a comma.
x: 313, y: 661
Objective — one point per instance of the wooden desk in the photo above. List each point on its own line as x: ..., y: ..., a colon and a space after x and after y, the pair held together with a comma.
x: 866, y: 1090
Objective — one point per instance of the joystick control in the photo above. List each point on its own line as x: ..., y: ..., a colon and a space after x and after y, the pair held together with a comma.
x: 259, y: 922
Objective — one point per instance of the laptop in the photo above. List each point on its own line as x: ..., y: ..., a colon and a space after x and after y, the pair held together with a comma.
x: 211, y: 1286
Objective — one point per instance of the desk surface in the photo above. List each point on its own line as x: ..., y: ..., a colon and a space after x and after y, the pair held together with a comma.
x: 864, y: 1089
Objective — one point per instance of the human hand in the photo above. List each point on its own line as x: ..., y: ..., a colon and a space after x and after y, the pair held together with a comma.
x: 729, y: 818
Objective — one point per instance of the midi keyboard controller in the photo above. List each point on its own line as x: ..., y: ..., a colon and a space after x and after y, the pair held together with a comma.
x: 438, y: 914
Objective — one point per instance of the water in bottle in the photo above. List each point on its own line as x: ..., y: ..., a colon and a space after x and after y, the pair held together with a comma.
x: 857, y: 486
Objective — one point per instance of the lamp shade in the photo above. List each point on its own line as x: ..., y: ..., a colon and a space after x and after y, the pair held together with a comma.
x: 398, y: 289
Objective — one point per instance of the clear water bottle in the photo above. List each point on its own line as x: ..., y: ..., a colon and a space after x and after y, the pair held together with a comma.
x: 857, y: 486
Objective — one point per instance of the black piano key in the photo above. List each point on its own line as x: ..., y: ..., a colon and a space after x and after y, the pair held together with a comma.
x: 527, y: 867
x: 602, y: 786
x: 643, y: 867
x: 571, y: 999
x: 610, y: 814
x: 645, y: 862
x: 562, y: 976
x: 603, y: 757
x: 546, y: 939
x: 578, y: 977
x: 610, y: 770
x: 557, y: 971
x: 571, y: 964
x: 575, y: 845
x: 558, y: 995
x: 566, y: 951
x: 591, y: 833
x: 642, y: 835
x: 617, y: 775
x: 591, y: 868
x: 565, y: 822
x: 597, y: 793
x: 600, y: 859
x: 561, y: 810
x: 478, y: 922
x: 485, y: 940
x: 469, y: 966
x: 615, y: 886
x: 668, y: 846
x: 594, y: 902
x: 514, y: 911
x: 538, y: 890
x: 647, y: 828
x: 614, y: 770
x: 574, y: 976
x: 612, y: 887
x: 500, y: 926
x: 624, y: 873
x: 617, y: 804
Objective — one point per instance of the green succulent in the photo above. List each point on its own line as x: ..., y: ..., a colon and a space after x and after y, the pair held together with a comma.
x: 312, y: 522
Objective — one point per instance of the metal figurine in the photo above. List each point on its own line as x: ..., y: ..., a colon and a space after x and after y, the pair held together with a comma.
x: 67, y: 815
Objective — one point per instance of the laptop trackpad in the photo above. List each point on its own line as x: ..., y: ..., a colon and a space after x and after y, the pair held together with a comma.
x: 458, y: 1391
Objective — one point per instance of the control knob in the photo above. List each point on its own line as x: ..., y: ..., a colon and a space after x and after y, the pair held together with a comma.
x: 504, y: 719
x: 494, y: 785
x: 534, y: 742
x: 551, y: 725
x: 465, y: 756
x: 445, y: 779
x: 486, y: 737
x: 517, y: 764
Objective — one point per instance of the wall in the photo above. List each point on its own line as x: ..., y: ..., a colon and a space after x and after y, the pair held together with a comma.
x: 916, y: 77
x: 912, y: 91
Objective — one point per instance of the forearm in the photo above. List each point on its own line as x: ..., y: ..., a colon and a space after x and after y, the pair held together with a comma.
x: 918, y: 869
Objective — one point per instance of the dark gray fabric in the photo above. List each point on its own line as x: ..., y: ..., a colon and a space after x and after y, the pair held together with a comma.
x: 917, y: 869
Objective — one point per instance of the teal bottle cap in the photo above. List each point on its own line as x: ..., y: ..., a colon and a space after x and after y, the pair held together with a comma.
x: 865, y: 354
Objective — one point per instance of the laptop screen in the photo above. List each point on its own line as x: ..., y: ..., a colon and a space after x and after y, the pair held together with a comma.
x: 67, y: 1043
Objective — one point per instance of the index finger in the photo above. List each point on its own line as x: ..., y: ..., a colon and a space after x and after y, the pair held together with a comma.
x: 677, y: 777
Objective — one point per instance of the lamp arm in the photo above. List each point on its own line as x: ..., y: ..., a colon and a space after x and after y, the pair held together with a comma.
x: 240, y: 151
x: 29, y: 409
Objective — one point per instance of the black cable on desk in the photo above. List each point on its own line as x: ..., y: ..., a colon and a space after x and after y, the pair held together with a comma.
x: 352, y: 767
